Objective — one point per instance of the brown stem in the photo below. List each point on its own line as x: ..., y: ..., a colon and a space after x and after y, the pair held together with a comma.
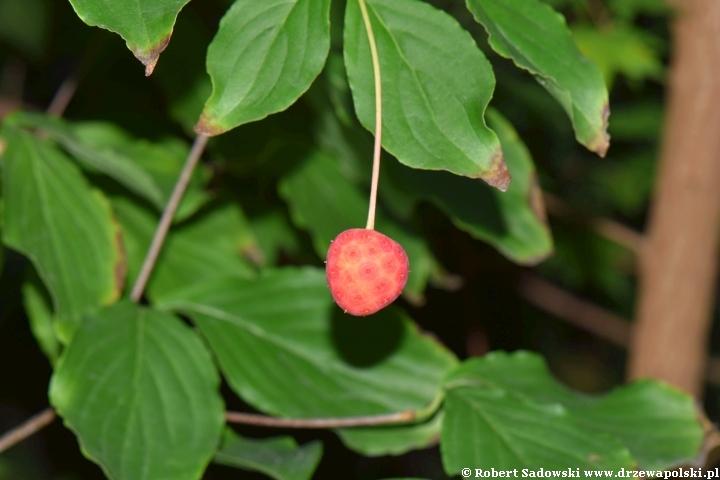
x: 605, y: 227
x: 589, y: 317
x: 679, y: 262
x: 167, y: 216
x: 370, y: 420
x: 574, y: 310
x: 31, y: 426
x: 62, y: 97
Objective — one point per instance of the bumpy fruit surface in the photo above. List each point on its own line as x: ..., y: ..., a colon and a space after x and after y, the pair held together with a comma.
x: 365, y: 270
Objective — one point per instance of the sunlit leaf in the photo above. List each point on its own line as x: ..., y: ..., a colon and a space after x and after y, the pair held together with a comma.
x: 433, y: 102
x: 63, y: 226
x: 146, y: 25
x: 264, y: 56
x: 139, y: 389
x: 279, y: 457
x: 537, y: 39
x: 623, y: 50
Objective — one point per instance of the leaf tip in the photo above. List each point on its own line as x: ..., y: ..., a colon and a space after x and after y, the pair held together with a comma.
x: 497, y: 175
x: 601, y: 143
x: 150, y: 57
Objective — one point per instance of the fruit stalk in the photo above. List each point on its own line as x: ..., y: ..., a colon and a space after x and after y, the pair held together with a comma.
x: 378, y: 116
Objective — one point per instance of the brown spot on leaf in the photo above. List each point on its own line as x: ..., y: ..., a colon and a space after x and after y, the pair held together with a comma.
x: 497, y: 175
x: 206, y: 126
x: 150, y: 57
x: 601, y: 142
x: 253, y: 252
x: 120, y: 268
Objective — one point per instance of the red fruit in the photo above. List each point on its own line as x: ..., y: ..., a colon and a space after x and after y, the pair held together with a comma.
x: 366, y: 271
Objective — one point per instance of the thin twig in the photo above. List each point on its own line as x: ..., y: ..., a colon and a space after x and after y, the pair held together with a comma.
x: 574, y: 310
x: 62, y: 97
x: 371, y: 420
x: 378, y: 116
x: 588, y: 316
x: 606, y: 228
x: 31, y: 426
x: 167, y: 216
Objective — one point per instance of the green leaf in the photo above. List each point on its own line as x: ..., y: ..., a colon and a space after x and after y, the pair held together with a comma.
x: 95, y: 158
x: 274, y: 235
x: 433, y: 103
x: 629, y: 9
x: 393, y: 440
x: 264, y: 56
x: 25, y: 25
x: 147, y: 169
x: 322, y: 201
x: 141, y: 392
x: 656, y: 422
x: 38, y: 307
x: 513, y: 221
x: 285, y: 349
x: 279, y: 458
x: 207, y: 246
x: 537, y: 39
x: 64, y: 227
x: 489, y: 426
x: 622, y: 49
x: 145, y: 25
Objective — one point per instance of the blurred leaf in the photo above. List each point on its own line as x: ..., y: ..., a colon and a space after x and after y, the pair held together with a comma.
x: 207, y: 246
x: 491, y: 424
x: 279, y: 457
x: 322, y: 201
x: 139, y: 389
x: 657, y: 422
x: 513, y: 221
x: 274, y: 234
x: 393, y: 440
x: 305, y: 358
x: 536, y: 38
x: 39, y: 310
x: 627, y: 183
x: 264, y: 56
x: 145, y: 25
x: 24, y: 25
x: 584, y: 260
x: 629, y: 9
x: 621, y: 49
x: 433, y: 103
x: 64, y: 227
x: 638, y: 121
x: 558, y: 4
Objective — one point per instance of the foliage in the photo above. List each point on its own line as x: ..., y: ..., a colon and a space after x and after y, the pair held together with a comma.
x: 140, y: 388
